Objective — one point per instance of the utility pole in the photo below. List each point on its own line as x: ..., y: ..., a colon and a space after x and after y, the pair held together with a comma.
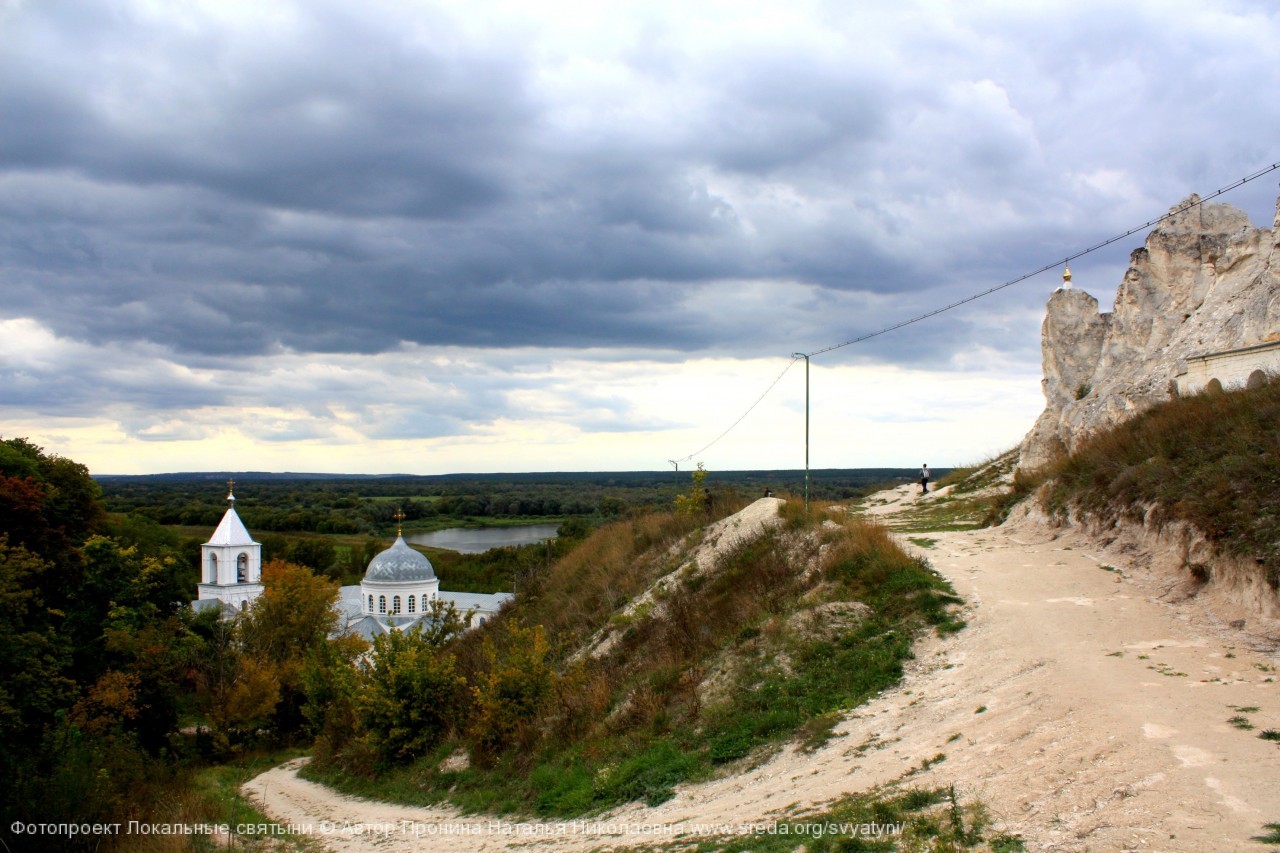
x: 806, y: 426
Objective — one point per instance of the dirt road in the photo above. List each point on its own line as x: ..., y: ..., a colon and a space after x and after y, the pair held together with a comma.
x: 1085, y: 714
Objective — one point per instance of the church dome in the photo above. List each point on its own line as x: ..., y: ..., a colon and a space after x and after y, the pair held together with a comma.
x: 399, y: 564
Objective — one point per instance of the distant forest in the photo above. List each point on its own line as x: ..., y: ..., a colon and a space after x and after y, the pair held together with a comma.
x: 342, y: 504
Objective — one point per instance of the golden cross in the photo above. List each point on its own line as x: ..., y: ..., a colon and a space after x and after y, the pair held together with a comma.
x: 231, y: 490
x: 399, y: 517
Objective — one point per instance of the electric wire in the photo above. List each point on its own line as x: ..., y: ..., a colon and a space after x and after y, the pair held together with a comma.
x: 1052, y: 265
x: 743, y: 415
x: 935, y: 312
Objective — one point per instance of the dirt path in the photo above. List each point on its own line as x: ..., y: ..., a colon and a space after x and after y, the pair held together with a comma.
x: 1082, y: 711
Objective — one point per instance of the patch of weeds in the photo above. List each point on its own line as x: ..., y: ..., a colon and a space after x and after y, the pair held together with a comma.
x: 1144, y: 657
x: 1165, y: 669
x: 929, y: 762
x: 1272, y: 837
x: 1245, y: 709
x: 922, y: 541
x: 1229, y: 655
x: 954, y: 737
x: 981, y: 709
x: 1116, y: 655
x: 1270, y: 734
x: 915, y: 819
x: 817, y: 732
x: 1241, y: 722
x: 1004, y: 843
x: 1109, y: 568
x: 1265, y: 667
x: 943, y: 514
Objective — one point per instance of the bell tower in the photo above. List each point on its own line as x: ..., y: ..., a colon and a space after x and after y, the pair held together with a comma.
x: 230, y: 562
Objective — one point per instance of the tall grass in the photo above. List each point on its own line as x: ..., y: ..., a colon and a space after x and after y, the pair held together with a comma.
x: 1212, y: 460
x: 723, y: 664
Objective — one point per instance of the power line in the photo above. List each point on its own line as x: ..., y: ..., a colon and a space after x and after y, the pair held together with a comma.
x: 1095, y: 247
x: 741, y: 417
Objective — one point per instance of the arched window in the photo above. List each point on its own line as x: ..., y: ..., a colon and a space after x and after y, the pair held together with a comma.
x: 382, y: 604
x: 481, y: 622
x: 1256, y: 380
x: 1214, y: 386
x: 371, y: 604
x: 412, y: 601
x: 395, y: 605
x: 244, y: 605
x: 213, y: 569
x: 242, y: 568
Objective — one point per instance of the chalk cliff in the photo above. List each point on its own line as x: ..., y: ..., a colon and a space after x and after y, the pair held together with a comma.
x: 1206, y: 280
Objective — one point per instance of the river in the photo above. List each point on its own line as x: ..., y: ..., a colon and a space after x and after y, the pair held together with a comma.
x: 477, y: 540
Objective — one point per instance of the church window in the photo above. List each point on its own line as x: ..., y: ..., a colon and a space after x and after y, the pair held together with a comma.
x: 242, y: 568
x: 395, y: 605
x: 382, y: 604
x: 412, y: 601
x: 371, y: 604
x: 213, y: 569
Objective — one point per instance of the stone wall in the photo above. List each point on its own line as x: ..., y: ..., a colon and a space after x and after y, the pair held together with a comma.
x: 1204, y: 282
x: 1237, y: 368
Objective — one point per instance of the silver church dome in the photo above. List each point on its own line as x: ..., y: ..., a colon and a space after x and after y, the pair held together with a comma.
x: 399, y: 564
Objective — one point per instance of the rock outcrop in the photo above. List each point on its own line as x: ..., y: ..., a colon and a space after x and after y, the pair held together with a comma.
x: 1206, y: 281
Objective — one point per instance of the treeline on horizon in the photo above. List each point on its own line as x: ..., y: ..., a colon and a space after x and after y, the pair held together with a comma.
x: 355, y: 504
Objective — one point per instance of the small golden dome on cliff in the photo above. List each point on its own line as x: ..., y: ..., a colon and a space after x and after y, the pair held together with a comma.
x: 1066, y: 276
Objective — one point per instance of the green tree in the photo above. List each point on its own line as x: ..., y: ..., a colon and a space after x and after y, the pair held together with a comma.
x: 694, y: 501
x: 331, y: 683
x: 318, y: 555
x: 412, y: 693
x: 34, y: 660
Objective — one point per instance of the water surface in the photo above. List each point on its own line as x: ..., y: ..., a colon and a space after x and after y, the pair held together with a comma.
x: 477, y: 540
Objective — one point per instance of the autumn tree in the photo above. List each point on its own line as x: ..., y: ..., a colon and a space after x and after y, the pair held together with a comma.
x: 517, y: 686
x: 237, y: 690
x: 295, y: 614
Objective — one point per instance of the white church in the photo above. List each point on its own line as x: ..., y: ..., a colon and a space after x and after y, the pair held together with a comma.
x: 395, y: 593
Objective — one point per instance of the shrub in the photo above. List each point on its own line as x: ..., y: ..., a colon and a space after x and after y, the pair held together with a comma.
x: 411, y: 694
x: 511, y: 696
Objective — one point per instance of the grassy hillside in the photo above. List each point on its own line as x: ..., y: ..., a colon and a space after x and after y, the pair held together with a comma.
x: 1212, y: 460
x: 787, y: 631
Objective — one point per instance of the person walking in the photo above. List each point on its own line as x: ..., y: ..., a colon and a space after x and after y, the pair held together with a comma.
x: 924, y: 478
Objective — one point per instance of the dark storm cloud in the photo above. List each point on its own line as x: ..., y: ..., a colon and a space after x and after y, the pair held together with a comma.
x: 338, y: 178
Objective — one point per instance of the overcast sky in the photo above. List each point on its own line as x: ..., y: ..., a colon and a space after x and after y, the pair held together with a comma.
x: 427, y: 237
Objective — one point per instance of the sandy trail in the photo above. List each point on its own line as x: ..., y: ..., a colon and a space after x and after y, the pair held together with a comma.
x: 1085, y: 714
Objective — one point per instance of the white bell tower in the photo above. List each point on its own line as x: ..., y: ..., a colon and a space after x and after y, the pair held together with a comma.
x: 231, y: 562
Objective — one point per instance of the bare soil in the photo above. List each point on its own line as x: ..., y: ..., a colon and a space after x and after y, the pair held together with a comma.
x: 1081, y: 706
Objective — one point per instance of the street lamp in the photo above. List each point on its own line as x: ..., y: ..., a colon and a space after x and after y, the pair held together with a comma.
x: 806, y: 426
